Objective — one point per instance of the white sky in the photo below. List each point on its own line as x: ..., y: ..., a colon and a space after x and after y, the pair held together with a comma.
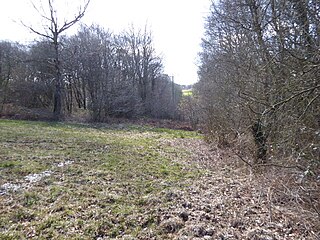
x: 177, y: 26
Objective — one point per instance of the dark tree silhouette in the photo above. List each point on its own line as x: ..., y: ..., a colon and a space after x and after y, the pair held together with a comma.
x: 52, y: 31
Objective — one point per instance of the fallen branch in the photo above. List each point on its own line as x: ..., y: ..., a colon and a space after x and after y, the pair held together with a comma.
x: 242, y: 159
x: 279, y: 166
x: 268, y: 164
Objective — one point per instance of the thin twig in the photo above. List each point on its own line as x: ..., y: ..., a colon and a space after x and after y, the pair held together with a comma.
x: 270, y: 204
x: 268, y: 164
x: 279, y: 166
x: 276, y: 105
x: 242, y: 159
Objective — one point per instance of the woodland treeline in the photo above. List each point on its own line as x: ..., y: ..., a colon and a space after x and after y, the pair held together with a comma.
x: 259, y: 77
x: 258, y: 95
x: 100, y: 72
x: 260, y: 80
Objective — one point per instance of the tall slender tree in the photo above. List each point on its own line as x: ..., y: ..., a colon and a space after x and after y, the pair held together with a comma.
x: 53, y: 29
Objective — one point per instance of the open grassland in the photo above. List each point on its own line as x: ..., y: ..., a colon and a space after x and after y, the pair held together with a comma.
x: 76, y: 181
x: 67, y: 181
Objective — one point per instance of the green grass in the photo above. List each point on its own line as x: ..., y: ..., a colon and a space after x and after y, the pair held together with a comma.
x: 187, y: 92
x: 112, y: 186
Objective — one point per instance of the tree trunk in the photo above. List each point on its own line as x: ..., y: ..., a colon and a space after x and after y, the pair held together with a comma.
x: 57, y: 104
x: 260, y: 139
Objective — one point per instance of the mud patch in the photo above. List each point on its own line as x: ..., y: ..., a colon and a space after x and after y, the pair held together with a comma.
x: 30, y: 179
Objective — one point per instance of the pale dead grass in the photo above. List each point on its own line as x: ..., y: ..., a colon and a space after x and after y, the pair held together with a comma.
x: 233, y: 201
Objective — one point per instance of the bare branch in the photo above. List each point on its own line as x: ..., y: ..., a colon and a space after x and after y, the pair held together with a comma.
x: 41, y: 13
x: 246, y: 96
x: 242, y: 159
x: 77, y: 18
x: 309, y: 104
x: 53, y: 20
x: 280, y: 166
x: 36, y: 32
x: 274, y: 106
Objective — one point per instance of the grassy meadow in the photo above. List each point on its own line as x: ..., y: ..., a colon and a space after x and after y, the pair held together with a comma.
x: 187, y: 92
x: 72, y: 181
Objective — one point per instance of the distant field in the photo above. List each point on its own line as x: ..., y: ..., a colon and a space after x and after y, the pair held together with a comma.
x: 187, y: 92
x: 63, y: 180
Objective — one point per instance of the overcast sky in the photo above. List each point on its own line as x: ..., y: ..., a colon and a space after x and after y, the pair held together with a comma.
x: 176, y: 25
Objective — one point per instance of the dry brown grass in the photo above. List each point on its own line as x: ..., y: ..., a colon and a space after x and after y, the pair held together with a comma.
x: 236, y: 201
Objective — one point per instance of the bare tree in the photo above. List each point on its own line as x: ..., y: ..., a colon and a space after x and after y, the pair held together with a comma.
x: 101, y: 73
x: 53, y: 29
x: 5, y: 71
x: 260, y: 72
x: 145, y: 64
